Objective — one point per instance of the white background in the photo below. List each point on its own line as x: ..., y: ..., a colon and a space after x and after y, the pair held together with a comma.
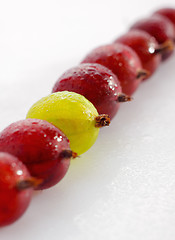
x: 124, y: 187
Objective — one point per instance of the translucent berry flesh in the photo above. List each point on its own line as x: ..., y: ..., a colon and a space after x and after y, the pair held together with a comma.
x: 122, y: 61
x: 144, y: 45
x: 13, y: 200
x: 40, y: 146
x: 159, y: 27
x: 167, y: 12
x: 95, y: 82
x: 73, y: 114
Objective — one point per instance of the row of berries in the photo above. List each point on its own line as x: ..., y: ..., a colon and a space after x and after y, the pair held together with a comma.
x: 35, y: 154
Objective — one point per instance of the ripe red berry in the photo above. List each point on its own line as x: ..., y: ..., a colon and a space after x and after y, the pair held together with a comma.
x: 167, y: 12
x: 95, y: 82
x: 145, y: 46
x: 14, y: 199
x: 123, y: 62
x: 159, y: 27
x: 42, y: 147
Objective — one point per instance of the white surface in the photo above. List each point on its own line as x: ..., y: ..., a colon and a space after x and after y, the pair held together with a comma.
x: 124, y: 187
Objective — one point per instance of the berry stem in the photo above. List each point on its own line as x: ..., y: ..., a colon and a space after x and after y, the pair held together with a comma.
x: 122, y: 97
x: 102, y: 120
x: 28, y: 183
x: 142, y: 74
x: 68, y: 154
x: 167, y: 46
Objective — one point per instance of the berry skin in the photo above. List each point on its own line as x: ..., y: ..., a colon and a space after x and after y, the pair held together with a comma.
x: 167, y: 12
x: 96, y: 83
x: 122, y: 61
x: 42, y: 147
x: 145, y: 46
x: 74, y: 115
x: 161, y: 28
x: 14, y: 200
